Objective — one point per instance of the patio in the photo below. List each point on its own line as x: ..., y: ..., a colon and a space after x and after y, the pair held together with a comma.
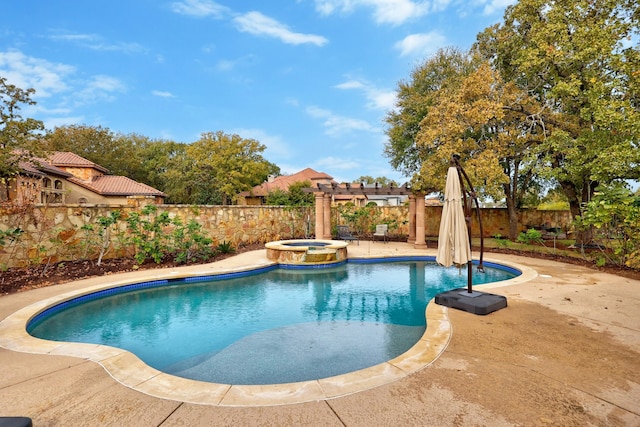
x: 566, y: 351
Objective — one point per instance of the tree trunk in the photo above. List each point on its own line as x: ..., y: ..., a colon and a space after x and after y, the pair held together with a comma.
x: 584, y: 236
x: 512, y: 211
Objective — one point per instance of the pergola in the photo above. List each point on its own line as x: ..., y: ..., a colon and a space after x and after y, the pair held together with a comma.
x: 324, y: 193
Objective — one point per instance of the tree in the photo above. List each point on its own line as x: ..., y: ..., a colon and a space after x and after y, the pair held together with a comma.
x: 162, y: 164
x: 224, y: 165
x: 467, y: 113
x: 472, y: 117
x: 615, y: 213
x: 97, y: 144
x: 415, y: 97
x: 576, y: 58
x: 382, y: 180
x: 294, y: 196
x: 18, y: 136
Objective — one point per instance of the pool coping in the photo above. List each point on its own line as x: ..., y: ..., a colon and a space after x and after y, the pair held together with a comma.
x: 130, y: 371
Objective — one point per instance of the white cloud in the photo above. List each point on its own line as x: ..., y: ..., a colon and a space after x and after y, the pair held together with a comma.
x: 379, y: 99
x: 439, y: 5
x: 162, y: 94
x: 231, y: 64
x: 342, y: 169
x: 336, y: 125
x: 393, y: 12
x: 423, y: 44
x: 52, y: 123
x: 258, y: 24
x: 200, y: 8
x: 28, y: 72
x: 351, y: 84
x: 96, y: 42
x: 338, y: 163
x: 276, y: 147
x: 98, y: 88
x: 292, y: 101
x: 497, y: 6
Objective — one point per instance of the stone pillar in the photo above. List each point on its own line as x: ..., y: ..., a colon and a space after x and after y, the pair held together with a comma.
x: 412, y: 219
x: 420, y: 242
x: 327, y: 217
x: 319, y: 215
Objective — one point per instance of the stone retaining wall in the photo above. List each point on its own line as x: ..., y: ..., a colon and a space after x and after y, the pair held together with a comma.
x: 57, y: 233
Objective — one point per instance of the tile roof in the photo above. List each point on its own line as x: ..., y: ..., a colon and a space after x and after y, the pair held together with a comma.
x: 69, y: 159
x: 39, y: 167
x: 113, y: 185
x: 105, y: 185
x: 284, y: 181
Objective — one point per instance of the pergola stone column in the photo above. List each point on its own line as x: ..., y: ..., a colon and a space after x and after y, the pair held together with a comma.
x: 412, y: 219
x: 327, y: 216
x: 324, y: 194
x: 319, y: 215
x: 420, y: 242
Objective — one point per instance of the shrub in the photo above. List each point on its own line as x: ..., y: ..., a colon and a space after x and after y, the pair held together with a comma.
x: 614, y: 212
x: 530, y: 236
x: 225, y: 248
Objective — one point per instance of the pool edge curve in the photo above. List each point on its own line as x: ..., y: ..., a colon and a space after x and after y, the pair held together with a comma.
x: 127, y: 369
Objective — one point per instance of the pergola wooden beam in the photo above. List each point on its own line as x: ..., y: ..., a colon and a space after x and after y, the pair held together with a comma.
x: 348, y: 189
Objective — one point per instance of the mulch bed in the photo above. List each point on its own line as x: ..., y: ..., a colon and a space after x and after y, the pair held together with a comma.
x: 22, y: 279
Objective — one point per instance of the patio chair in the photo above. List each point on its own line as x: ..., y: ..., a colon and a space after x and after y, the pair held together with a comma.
x: 345, y: 234
x: 381, y: 232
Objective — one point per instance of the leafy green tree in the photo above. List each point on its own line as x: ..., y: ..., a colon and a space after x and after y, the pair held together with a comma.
x: 466, y: 112
x: 295, y: 196
x: 224, y: 165
x: 579, y: 59
x: 415, y: 97
x: 382, y: 180
x: 162, y: 164
x: 615, y: 213
x: 471, y: 117
x: 18, y: 136
x: 94, y: 143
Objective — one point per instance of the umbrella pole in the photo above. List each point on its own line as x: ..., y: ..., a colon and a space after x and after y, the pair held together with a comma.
x: 470, y: 262
x: 467, y: 218
x: 455, y: 160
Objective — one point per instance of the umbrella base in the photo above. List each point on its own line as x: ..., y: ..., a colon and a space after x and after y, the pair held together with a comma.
x: 481, y: 303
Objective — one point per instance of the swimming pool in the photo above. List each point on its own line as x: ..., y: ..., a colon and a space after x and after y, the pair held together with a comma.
x: 268, y: 326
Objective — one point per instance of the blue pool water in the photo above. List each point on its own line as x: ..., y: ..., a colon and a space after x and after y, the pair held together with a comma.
x: 281, y: 325
x: 306, y: 243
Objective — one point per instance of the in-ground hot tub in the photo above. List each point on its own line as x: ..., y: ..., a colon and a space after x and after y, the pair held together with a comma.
x: 301, y: 251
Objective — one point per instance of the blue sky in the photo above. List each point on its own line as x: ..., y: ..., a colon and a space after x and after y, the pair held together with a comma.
x: 312, y: 80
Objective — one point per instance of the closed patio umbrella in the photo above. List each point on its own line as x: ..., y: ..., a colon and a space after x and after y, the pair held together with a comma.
x: 453, y: 238
x: 454, y: 243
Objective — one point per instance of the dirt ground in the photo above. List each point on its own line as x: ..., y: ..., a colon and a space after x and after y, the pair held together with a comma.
x: 535, y: 367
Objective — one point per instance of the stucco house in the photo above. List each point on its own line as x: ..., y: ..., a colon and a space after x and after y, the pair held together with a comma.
x: 67, y: 178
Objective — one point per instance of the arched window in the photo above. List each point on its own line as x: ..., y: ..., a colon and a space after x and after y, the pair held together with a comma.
x: 58, y: 184
x: 46, y: 183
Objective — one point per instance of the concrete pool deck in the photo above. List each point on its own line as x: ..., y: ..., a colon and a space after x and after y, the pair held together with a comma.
x: 566, y: 351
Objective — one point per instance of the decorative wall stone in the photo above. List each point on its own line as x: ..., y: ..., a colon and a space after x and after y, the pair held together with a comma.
x: 46, y: 225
